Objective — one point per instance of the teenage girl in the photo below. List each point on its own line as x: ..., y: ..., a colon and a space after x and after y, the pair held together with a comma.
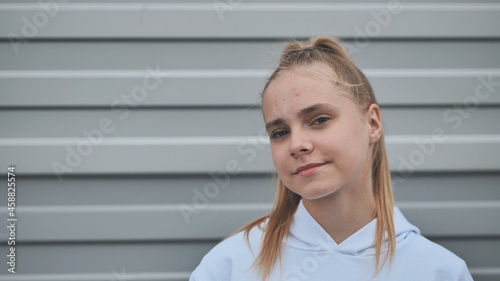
x: 333, y: 217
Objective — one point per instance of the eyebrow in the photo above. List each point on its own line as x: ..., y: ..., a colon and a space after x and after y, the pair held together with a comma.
x: 303, y: 112
x: 316, y: 107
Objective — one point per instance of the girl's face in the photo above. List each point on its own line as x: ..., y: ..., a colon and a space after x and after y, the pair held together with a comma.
x: 321, y: 141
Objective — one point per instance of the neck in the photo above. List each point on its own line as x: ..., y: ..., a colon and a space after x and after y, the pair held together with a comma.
x: 343, y: 212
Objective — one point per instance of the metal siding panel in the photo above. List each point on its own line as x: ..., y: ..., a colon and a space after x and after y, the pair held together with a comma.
x: 128, y: 122
x: 142, y: 190
x: 144, y: 21
x: 161, y: 257
x: 397, y: 87
x: 201, y: 55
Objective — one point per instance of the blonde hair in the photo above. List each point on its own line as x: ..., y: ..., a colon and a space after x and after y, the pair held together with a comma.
x: 330, y: 52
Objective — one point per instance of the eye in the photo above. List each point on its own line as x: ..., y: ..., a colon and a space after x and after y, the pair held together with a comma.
x: 279, y: 134
x: 320, y: 120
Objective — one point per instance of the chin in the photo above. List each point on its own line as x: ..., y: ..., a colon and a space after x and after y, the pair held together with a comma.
x: 314, y: 193
x: 315, y: 196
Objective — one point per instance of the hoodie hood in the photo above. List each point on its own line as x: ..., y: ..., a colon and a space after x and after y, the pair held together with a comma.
x: 306, y: 234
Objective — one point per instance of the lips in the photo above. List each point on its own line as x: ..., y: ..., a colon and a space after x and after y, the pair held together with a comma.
x: 309, y: 169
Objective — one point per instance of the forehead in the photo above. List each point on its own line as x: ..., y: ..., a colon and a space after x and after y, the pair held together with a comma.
x: 296, y: 89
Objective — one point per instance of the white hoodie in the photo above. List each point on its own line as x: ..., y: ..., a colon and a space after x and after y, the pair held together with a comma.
x: 310, y: 253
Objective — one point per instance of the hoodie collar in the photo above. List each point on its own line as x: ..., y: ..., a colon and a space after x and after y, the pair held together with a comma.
x: 307, y: 234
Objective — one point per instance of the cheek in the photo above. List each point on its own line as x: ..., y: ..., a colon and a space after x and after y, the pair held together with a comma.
x: 355, y: 151
x: 354, y: 132
x: 346, y: 146
x: 279, y: 156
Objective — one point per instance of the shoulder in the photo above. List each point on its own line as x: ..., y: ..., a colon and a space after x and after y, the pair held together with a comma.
x: 232, y: 254
x: 444, y: 263
x: 432, y: 249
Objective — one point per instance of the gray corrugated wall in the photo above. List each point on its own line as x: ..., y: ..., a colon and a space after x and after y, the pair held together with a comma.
x: 137, y: 133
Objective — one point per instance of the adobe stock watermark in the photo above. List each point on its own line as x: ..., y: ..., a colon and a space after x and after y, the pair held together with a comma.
x: 304, y: 269
x: 250, y: 147
x: 31, y: 27
x: 455, y: 117
x: 94, y: 137
x: 224, y: 6
x: 381, y: 19
x: 461, y: 111
x: 120, y: 276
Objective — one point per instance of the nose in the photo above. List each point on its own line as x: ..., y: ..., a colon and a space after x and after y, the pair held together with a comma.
x: 299, y: 144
